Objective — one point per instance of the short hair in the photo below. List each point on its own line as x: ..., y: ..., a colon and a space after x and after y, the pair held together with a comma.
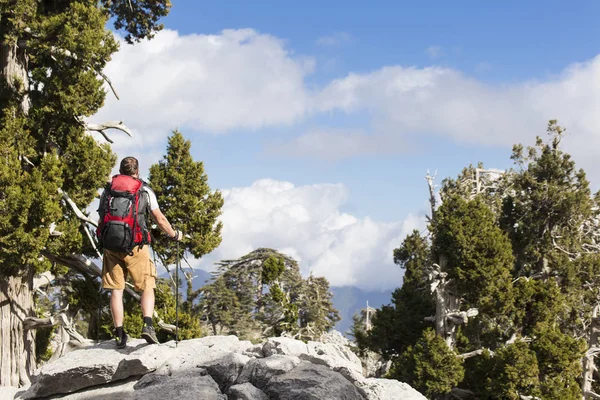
x: 129, y: 166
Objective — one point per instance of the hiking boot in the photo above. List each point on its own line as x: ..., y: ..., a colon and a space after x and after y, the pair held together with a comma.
x: 121, y: 341
x: 149, y: 334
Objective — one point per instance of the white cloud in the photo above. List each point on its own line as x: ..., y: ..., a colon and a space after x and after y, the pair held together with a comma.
x: 244, y: 80
x: 334, y: 39
x: 410, y: 101
x: 434, y: 51
x: 214, y: 83
x: 306, y: 223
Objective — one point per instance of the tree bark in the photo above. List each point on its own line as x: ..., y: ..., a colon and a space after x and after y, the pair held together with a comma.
x: 13, y: 69
x: 17, y: 356
x: 588, y: 360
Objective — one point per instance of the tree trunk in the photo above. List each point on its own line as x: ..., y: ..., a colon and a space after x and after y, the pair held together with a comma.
x: 17, y: 358
x: 13, y: 69
x: 588, y: 360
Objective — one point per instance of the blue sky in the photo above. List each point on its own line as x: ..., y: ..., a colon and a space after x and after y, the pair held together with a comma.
x: 353, y: 102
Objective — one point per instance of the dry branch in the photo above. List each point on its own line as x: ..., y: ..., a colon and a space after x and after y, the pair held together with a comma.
x: 458, y: 393
x: 474, y: 353
x: 42, y: 280
x: 591, y: 395
x: 76, y: 209
x: 108, y: 125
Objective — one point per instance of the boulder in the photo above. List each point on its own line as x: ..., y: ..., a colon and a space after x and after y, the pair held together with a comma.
x: 246, y: 391
x: 258, y: 371
x: 311, y: 382
x: 189, y: 385
x: 224, y: 366
x: 328, y: 354
x: 387, y: 389
x: 95, y: 365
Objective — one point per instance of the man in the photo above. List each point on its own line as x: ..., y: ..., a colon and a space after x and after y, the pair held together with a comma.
x: 136, y: 261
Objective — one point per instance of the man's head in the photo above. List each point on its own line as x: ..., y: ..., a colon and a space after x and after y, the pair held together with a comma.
x: 129, y: 166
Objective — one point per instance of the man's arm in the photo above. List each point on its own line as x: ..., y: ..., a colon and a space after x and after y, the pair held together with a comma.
x: 164, y: 224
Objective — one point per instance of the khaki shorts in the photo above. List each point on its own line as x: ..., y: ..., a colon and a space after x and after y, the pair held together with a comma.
x: 116, y: 266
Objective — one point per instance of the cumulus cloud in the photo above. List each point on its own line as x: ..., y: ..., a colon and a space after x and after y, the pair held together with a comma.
x: 214, y: 83
x: 306, y: 223
x: 442, y: 101
x: 245, y: 80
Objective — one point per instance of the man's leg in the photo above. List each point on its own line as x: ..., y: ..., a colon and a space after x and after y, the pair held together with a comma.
x: 143, y: 273
x: 116, y: 307
x: 113, y: 277
x: 147, y: 302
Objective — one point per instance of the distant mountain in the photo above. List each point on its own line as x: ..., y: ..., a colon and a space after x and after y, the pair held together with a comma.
x: 348, y: 300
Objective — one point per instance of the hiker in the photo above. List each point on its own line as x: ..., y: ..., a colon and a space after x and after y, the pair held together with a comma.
x: 125, y: 238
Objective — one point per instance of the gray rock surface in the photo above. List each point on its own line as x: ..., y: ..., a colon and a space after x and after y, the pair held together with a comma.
x: 96, y: 365
x: 311, y: 382
x: 189, y: 385
x: 386, y: 389
x: 246, y: 391
x: 259, y: 370
x: 216, y: 367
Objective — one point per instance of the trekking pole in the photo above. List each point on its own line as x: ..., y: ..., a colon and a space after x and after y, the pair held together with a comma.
x: 99, y: 313
x: 177, y: 297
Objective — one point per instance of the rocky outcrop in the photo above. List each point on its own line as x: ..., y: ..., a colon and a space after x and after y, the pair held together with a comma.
x: 214, y: 367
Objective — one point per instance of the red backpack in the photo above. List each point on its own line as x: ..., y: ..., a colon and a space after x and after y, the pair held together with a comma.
x: 123, y: 215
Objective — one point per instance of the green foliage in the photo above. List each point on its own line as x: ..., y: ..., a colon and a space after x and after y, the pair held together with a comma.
x: 520, y: 248
x: 399, y: 324
x: 43, y: 352
x: 263, y: 294
x: 413, y: 256
x: 479, y: 255
x: 272, y: 269
x: 185, y: 198
x: 45, y: 146
x: 138, y: 18
x: 559, y: 359
x: 316, y: 309
x: 513, y: 371
x: 549, y: 202
x: 429, y: 366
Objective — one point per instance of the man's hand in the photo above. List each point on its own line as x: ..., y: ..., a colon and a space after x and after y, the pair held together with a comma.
x: 178, y: 235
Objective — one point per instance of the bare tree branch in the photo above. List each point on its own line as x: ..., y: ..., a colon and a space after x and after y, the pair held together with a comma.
x: 108, y: 125
x: 591, y: 395
x: 109, y: 83
x: 42, y: 280
x: 474, y: 353
x: 76, y: 209
x: 458, y: 393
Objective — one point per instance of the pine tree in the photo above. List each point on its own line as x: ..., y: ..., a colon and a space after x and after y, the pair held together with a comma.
x: 262, y: 294
x: 398, y: 325
x: 430, y: 366
x: 317, y: 313
x: 53, y: 53
x: 186, y: 199
x: 513, y: 267
x: 183, y: 193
